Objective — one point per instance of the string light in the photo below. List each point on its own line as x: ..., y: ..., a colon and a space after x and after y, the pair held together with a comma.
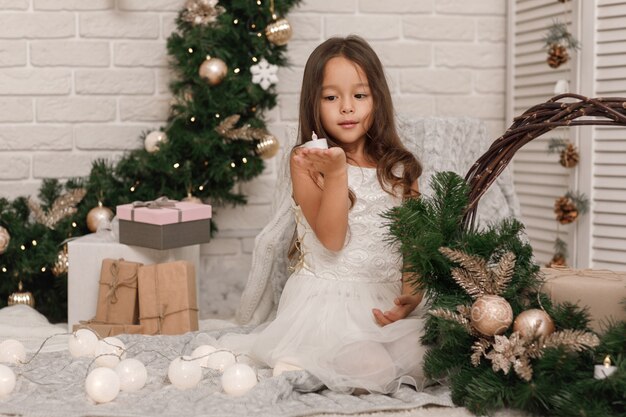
x: 236, y: 21
x: 201, y: 187
x: 22, y: 247
x: 134, y: 186
x: 34, y: 242
x: 192, y: 119
x: 190, y: 50
x: 253, y: 26
x: 43, y: 269
x: 254, y: 59
x: 259, y: 35
x: 232, y: 165
x: 176, y: 165
x: 258, y: 2
x: 236, y: 70
x: 244, y: 160
x: 217, y: 115
x: 4, y: 269
x: 74, y: 224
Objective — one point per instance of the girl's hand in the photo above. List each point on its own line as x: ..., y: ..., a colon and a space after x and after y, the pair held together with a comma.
x: 404, y: 305
x: 327, y: 161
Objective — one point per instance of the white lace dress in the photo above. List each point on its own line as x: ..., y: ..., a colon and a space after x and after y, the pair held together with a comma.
x: 324, y: 322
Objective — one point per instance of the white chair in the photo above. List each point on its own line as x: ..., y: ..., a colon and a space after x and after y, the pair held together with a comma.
x: 441, y: 144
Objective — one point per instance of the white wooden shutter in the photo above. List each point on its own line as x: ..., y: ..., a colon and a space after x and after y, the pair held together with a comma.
x: 539, y: 178
x: 608, y: 207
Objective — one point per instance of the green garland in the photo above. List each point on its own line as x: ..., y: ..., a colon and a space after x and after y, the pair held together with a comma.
x: 562, y: 382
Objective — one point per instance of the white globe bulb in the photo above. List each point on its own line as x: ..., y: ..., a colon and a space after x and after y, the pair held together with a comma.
x: 7, y: 380
x: 220, y: 360
x: 132, y: 374
x: 154, y: 140
x: 184, y: 372
x: 109, y: 352
x: 83, y: 342
x: 204, y: 353
x: 102, y: 385
x: 238, y: 379
x: 12, y: 351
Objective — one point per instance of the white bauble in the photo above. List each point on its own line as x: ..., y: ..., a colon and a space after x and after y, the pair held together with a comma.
x: 112, y: 350
x: 204, y: 353
x: 102, y: 385
x: 184, y: 372
x: 238, y: 379
x: 83, y: 342
x: 132, y: 373
x: 153, y: 141
x: 221, y: 360
x: 7, y: 380
x: 12, y: 351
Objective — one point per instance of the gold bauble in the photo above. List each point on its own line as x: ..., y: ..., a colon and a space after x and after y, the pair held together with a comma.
x: 21, y: 297
x: 62, y: 262
x: 279, y: 32
x: 213, y: 70
x: 98, y: 215
x: 267, y: 147
x: 526, y: 321
x: 192, y: 199
x: 491, y: 315
x: 5, y: 238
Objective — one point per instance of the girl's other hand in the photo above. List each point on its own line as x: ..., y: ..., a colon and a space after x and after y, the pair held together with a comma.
x: 404, y: 305
x: 327, y: 161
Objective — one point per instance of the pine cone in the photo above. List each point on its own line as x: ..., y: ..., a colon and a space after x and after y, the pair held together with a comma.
x: 557, y: 55
x: 569, y: 156
x: 556, y: 261
x: 565, y: 210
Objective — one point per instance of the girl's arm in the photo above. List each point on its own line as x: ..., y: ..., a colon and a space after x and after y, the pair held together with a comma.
x: 325, y: 209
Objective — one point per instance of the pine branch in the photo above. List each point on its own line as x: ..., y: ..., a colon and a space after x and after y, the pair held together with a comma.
x: 503, y: 273
x: 476, y: 276
x: 572, y: 340
x: 451, y: 316
x: 64, y: 206
x: 467, y: 282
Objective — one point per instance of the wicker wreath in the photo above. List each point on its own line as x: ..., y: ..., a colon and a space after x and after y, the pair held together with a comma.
x: 536, y: 121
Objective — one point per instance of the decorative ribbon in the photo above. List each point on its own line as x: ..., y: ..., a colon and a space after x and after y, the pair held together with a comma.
x: 159, y: 203
x: 117, y: 281
x: 161, y: 313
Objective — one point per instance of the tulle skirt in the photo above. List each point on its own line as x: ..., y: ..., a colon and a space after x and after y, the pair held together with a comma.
x: 326, y: 327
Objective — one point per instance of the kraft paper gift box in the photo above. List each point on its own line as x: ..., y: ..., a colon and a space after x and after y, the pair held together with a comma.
x: 107, y: 329
x: 601, y: 290
x: 85, y: 260
x: 117, y: 296
x: 167, y: 298
x: 164, y: 224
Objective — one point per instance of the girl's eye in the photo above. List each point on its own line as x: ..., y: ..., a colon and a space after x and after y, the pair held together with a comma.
x: 330, y: 98
x: 360, y: 96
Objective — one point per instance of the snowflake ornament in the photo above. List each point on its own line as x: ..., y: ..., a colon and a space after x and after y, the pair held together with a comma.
x: 264, y: 74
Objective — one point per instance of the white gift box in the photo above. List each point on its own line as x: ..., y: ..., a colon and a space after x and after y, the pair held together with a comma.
x: 85, y: 256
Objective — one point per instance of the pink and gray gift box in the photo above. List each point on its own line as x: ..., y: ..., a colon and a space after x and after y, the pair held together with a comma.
x: 164, y: 224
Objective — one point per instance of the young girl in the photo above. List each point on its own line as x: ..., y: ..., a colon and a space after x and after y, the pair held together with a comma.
x: 345, y: 314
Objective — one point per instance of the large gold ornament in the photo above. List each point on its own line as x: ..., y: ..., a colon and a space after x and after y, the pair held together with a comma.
x: 21, y: 297
x: 279, y: 31
x: 62, y: 262
x: 64, y: 206
x: 491, y: 315
x: 267, y: 147
x: 201, y: 12
x: 213, y: 70
x: 97, y: 215
x: 533, y: 323
x: 5, y: 238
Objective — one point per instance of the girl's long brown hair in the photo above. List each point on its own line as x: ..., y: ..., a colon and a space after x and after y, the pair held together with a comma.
x: 382, y: 145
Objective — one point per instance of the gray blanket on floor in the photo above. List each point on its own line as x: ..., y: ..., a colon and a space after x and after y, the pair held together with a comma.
x: 53, y: 384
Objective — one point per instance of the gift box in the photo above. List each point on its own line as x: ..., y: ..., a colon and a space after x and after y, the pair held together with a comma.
x: 85, y: 256
x: 108, y: 329
x: 167, y: 298
x: 117, y: 296
x: 601, y: 290
x: 164, y: 224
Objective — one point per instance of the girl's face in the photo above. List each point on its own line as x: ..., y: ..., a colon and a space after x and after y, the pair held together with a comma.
x: 346, y: 103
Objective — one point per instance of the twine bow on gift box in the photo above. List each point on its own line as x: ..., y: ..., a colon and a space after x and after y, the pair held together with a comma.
x: 117, y: 281
x: 159, y: 203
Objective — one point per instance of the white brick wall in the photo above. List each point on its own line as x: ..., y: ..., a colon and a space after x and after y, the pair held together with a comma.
x: 78, y: 77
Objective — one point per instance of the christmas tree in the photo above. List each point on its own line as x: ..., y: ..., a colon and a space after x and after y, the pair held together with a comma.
x: 224, y: 58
